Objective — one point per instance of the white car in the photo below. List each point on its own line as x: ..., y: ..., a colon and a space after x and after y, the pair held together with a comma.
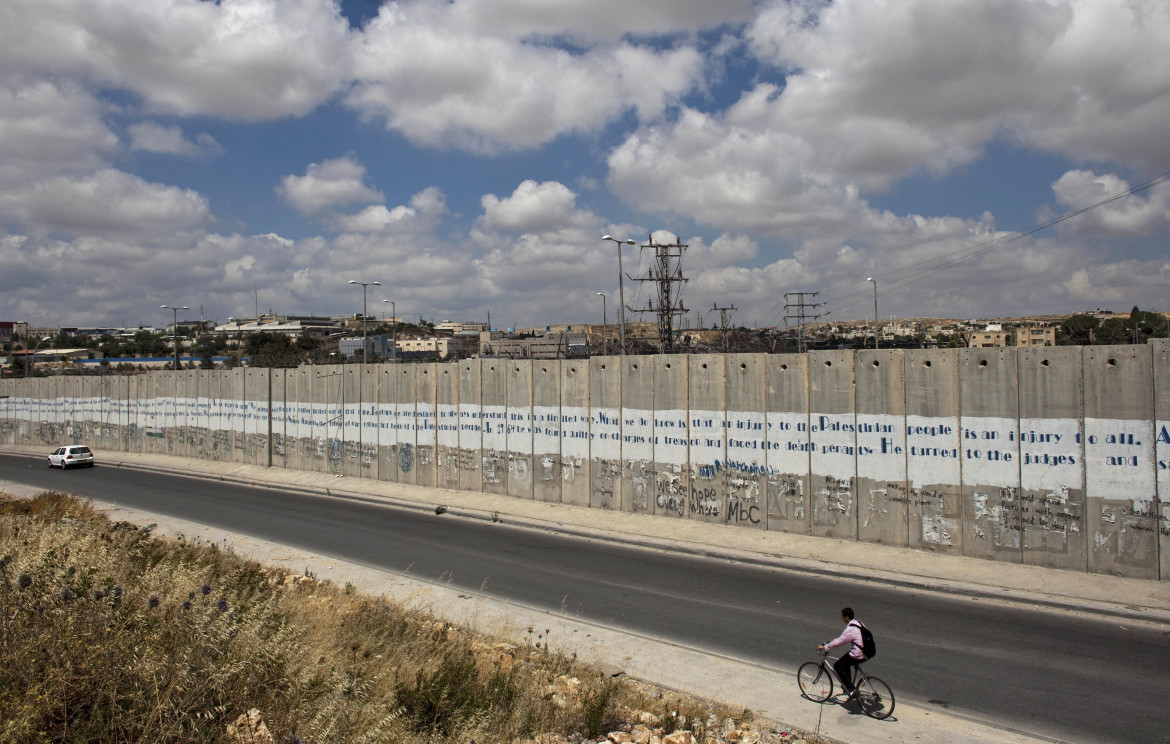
x: 74, y: 455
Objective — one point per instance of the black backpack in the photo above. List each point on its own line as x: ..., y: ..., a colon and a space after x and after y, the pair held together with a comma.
x: 868, y: 645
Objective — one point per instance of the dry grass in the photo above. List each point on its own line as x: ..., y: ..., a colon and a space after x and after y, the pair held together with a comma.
x: 110, y: 634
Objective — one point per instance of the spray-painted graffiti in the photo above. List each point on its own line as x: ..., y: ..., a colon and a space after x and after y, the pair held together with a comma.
x: 786, y: 497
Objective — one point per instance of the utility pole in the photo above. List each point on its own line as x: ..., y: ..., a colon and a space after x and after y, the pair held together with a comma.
x: 665, y: 272
x: 724, y: 320
x: 800, y: 304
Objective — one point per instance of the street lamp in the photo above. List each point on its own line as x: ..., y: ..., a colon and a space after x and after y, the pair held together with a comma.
x: 621, y: 286
x: 393, y: 329
x: 33, y: 353
x: 364, y: 285
x: 876, y: 322
x: 175, y: 329
x: 604, y: 326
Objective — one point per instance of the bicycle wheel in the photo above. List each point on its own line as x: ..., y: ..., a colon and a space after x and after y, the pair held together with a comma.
x: 815, y: 683
x: 875, y: 698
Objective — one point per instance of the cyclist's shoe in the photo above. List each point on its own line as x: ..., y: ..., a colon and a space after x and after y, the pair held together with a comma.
x: 851, y: 695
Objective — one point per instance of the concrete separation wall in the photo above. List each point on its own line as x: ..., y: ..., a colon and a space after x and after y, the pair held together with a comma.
x: 1056, y: 457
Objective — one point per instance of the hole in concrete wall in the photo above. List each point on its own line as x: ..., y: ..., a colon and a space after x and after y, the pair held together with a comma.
x: 926, y: 363
x: 492, y: 369
x: 828, y: 364
x: 783, y: 366
x: 517, y: 369
x: 1112, y: 362
x: 573, y: 371
x: 704, y: 366
x: 544, y: 369
x: 742, y: 365
x: 1044, y: 363
x: 668, y: 366
x: 603, y: 366
x: 876, y: 363
x: 634, y: 366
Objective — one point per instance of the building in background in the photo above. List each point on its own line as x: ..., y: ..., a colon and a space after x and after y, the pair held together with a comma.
x: 1036, y: 336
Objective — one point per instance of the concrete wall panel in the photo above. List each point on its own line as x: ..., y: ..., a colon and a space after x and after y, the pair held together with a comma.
x: 351, y: 420
x: 883, y: 502
x: 575, y: 432
x: 932, y: 450
x: 989, y: 409
x: 278, y: 442
x: 671, y: 469
x: 447, y: 425
x: 519, y: 427
x: 369, y: 421
x: 493, y: 424
x: 257, y: 416
x: 789, y: 446
x: 298, y: 420
x: 637, y: 417
x: 1120, y: 462
x: 832, y: 430
x: 746, y: 464
x: 470, y: 427
x: 1160, y: 353
x: 405, y: 416
x: 1052, y: 458
x: 547, y: 473
x: 705, y: 430
x: 605, y: 434
x: 387, y: 442
x: 425, y: 416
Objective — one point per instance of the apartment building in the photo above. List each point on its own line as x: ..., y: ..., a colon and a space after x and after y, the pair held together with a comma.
x: 1036, y: 336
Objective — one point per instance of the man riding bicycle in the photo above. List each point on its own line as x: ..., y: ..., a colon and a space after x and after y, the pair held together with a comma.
x: 844, y: 666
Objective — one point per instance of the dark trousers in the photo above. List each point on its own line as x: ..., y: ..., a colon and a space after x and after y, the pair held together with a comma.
x: 844, y: 668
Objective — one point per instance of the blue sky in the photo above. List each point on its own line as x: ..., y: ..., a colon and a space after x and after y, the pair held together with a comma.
x: 470, y: 154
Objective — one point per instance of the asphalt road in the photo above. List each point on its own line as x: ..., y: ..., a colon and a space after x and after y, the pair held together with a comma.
x: 1055, y: 674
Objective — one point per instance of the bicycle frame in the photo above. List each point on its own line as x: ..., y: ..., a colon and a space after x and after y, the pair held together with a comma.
x: 874, y: 696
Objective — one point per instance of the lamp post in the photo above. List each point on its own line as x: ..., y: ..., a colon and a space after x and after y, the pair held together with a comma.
x: 364, y: 285
x: 604, y: 326
x: 175, y: 329
x: 33, y: 353
x: 621, y: 286
x: 393, y: 329
x: 876, y: 322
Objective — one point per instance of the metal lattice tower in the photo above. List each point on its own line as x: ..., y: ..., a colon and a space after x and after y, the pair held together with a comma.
x: 800, y: 315
x: 666, y: 272
x: 724, y: 320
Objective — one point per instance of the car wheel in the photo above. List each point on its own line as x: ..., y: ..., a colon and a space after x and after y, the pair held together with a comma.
x: 50, y: 461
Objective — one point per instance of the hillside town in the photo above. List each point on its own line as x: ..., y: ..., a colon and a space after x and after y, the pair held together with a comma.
x: 274, y: 340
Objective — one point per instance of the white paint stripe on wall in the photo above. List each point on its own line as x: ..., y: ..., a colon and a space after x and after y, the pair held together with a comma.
x: 881, y: 447
x: 1050, y: 454
x: 932, y: 450
x: 605, y: 433
x: 989, y: 451
x: 670, y: 436
x: 1119, y: 459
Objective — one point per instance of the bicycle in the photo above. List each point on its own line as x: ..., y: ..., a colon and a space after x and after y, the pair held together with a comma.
x: 816, y: 684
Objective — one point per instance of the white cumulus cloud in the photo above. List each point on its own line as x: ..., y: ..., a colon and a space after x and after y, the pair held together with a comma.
x: 327, y: 185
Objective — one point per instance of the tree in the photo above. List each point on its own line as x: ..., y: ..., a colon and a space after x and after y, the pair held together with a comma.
x: 1077, y: 330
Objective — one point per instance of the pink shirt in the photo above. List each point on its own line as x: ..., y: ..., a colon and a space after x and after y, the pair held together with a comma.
x: 851, y: 635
